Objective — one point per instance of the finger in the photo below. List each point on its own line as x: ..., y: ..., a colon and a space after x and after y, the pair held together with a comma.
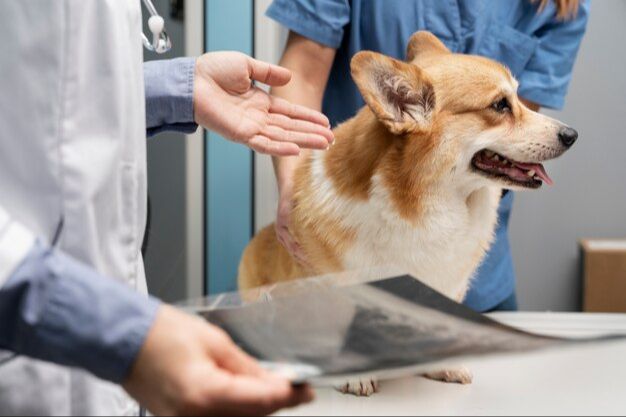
x: 306, y: 394
x: 299, y: 394
x: 234, y: 360
x: 303, y: 140
x: 298, y: 254
x: 259, y: 396
x: 294, y: 111
x: 227, y: 355
x: 303, y: 126
x: 269, y: 74
x: 266, y: 146
x: 284, y: 237
x: 292, y: 246
x: 294, y: 249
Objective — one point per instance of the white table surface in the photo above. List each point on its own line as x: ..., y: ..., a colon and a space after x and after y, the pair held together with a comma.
x: 573, y: 381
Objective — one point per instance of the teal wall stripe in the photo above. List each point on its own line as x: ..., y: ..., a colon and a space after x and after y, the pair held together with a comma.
x: 229, y: 166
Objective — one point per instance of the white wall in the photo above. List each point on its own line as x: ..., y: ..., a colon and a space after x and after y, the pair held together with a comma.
x: 589, y: 198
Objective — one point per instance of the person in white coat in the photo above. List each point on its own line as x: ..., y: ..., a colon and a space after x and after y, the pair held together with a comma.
x: 76, y: 324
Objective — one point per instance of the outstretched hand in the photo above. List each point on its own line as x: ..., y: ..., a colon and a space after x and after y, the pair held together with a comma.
x: 227, y: 101
x: 187, y: 367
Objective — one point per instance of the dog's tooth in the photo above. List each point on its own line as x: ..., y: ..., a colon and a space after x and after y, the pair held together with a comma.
x: 496, y: 158
x: 489, y: 154
x: 532, y: 173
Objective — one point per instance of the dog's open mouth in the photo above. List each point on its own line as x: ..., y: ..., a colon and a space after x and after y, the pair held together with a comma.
x: 529, y: 175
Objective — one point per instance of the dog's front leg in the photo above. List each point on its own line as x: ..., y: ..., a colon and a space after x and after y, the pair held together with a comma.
x: 364, y: 387
x: 460, y: 375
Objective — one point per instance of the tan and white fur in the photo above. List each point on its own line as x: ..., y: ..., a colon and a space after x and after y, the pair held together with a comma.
x: 409, y: 181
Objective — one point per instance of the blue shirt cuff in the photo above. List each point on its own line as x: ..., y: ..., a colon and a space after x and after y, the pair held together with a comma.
x: 56, y: 309
x: 169, y: 95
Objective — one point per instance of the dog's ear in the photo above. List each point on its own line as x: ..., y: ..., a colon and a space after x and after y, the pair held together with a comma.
x: 424, y: 43
x: 400, y: 94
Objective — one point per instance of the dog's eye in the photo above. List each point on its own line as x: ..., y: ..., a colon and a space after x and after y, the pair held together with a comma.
x: 502, y: 105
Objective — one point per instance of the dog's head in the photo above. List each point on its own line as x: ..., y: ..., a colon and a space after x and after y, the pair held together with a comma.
x: 467, y: 107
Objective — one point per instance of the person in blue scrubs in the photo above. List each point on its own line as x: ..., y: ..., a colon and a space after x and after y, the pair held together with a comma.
x: 538, y: 41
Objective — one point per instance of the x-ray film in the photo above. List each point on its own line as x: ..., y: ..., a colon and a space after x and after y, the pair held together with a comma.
x: 324, y: 330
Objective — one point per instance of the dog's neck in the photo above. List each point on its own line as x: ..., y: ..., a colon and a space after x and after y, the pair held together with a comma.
x: 417, y: 177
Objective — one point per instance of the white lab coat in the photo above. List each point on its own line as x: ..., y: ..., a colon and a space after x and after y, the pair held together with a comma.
x: 72, y: 147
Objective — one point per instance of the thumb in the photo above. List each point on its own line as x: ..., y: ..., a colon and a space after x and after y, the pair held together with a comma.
x: 257, y: 396
x: 269, y: 74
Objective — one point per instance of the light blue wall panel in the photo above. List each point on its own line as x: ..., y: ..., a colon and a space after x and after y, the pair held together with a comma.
x: 229, y: 166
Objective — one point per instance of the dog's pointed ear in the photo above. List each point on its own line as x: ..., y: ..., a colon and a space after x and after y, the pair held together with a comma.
x: 400, y: 94
x: 423, y: 43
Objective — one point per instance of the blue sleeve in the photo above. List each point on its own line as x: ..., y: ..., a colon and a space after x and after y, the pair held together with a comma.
x: 322, y: 21
x: 546, y: 78
x: 56, y: 309
x: 169, y: 95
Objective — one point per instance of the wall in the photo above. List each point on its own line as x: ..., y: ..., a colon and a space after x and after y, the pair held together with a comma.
x: 228, y: 165
x: 166, y: 256
x: 589, y: 198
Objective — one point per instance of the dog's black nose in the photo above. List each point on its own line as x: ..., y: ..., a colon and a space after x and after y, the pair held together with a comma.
x: 568, y: 136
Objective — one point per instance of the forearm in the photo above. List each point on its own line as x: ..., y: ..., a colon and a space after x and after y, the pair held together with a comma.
x: 56, y: 309
x: 310, y: 64
x: 298, y: 91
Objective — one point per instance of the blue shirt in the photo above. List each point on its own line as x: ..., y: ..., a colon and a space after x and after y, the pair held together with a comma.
x: 55, y: 309
x: 538, y: 48
x: 169, y: 95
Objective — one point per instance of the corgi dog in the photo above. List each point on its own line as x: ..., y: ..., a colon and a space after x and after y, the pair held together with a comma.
x: 414, y: 180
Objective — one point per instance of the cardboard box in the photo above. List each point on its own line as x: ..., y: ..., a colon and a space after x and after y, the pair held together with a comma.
x: 604, y: 275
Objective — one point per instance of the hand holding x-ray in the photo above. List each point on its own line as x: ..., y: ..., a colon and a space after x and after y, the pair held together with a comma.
x: 188, y: 368
x: 227, y: 101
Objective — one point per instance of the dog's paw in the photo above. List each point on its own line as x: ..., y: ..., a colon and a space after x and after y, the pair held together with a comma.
x: 460, y: 375
x: 359, y: 387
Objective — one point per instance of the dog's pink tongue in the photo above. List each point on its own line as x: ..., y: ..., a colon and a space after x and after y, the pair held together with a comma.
x: 541, y: 171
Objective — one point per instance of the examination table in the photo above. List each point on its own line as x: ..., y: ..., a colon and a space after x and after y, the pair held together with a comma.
x: 588, y: 380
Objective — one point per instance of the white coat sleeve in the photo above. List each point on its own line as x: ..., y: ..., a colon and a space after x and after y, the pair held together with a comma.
x: 15, y: 243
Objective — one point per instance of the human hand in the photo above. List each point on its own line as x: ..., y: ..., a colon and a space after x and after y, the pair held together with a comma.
x: 227, y: 101
x: 283, y: 220
x: 187, y: 367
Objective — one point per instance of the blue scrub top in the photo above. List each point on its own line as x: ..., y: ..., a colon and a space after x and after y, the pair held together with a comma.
x: 539, y: 49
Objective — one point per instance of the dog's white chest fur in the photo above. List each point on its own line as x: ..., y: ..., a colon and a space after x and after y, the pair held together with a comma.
x: 443, y: 249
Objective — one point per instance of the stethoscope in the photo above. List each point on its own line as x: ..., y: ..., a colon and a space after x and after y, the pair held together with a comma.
x: 161, y: 42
